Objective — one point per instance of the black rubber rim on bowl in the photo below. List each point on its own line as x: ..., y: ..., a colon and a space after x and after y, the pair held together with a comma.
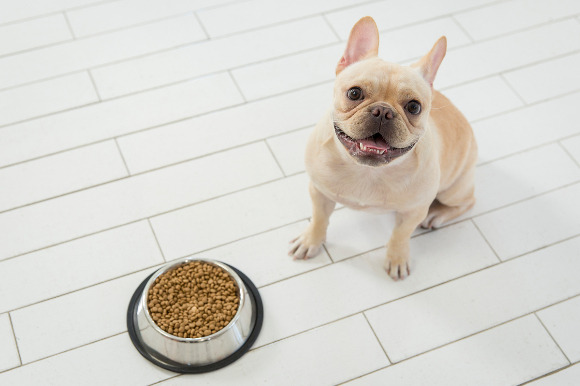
x: 181, y: 368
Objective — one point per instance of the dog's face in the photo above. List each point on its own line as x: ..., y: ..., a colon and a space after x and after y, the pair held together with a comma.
x: 381, y: 109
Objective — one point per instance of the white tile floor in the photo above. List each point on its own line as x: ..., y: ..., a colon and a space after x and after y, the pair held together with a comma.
x: 136, y: 132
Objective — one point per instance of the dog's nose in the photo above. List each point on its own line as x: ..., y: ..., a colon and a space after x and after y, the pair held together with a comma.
x: 383, y: 111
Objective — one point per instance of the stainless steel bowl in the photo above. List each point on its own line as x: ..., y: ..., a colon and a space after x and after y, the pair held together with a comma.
x: 196, y: 354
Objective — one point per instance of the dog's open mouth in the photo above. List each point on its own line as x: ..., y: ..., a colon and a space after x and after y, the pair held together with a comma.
x: 374, y: 146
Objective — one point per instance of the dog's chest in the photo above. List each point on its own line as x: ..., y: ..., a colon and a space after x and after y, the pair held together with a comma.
x: 373, y: 192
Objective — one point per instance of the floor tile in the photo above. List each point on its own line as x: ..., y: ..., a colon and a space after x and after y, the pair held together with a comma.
x: 562, y: 321
x: 11, y: 11
x: 80, y: 263
x: 321, y: 296
x: 49, y: 96
x: 136, y: 132
x: 60, y: 174
x: 525, y: 128
x: 506, y: 355
x: 112, y: 15
x: 572, y: 145
x: 320, y: 356
x: 236, y: 216
x: 513, y: 15
x: 288, y: 73
x: 211, y: 56
x: 317, y: 65
x: 223, y: 129
x: 71, y: 321
x: 465, y: 306
x: 389, y: 15
x: 8, y: 351
x: 507, y: 52
x: 533, y: 223
x: 112, y: 361
x: 521, y: 176
x: 566, y: 377
x: 225, y: 20
x: 414, y: 41
x: 483, y: 98
x: 33, y: 33
x: 547, y: 79
x: 106, y: 120
x: 264, y: 257
x: 289, y: 150
x: 94, y: 51
x: 128, y: 200
x: 354, y: 232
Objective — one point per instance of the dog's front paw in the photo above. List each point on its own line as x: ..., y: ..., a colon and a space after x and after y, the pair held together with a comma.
x: 397, y: 269
x: 305, y: 246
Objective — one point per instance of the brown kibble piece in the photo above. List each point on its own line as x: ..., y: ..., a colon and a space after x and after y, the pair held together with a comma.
x: 194, y: 300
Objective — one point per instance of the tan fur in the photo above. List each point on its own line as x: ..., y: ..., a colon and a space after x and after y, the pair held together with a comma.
x: 429, y: 185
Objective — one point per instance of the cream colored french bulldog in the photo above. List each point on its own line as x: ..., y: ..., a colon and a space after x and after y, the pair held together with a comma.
x: 389, y: 143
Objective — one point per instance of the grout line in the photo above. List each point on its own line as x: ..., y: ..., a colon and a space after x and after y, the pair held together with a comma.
x: 196, y: 15
x: 251, y: 187
x: 462, y: 28
x: 548, y: 374
x: 486, y: 240
x: 327, y: 253
x: 446, y: 344
x: 568, y: 152
x: 42, y: 15
x: 376, y: 337
x: 289, y: 131
x: 69, y: 350
x: 339, y: 39
x: 511, y: 69
x: 553, y: 339
x: 53, y: 113
x: 150, y: 216
x: 313, y: 15
x: 531, y: 148
x: 94, y: 85
x: 286, y: 92
x: 122, y: 157
x: 166, y: 379
x: 156, y: 239
x: 511, y: 87
x: 275, y: 158
x: 70, y: 28
x: 26, y: 50
x: 62, y: 195
x: 260, y: 61
x: 15, y: 339
x: 125, y: 177
x: 136, y: 25
x: 140, y: 270
x: 237, y: 86
x: 324, y: 324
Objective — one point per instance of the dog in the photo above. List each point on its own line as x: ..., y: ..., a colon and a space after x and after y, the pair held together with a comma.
x: 390, y: 142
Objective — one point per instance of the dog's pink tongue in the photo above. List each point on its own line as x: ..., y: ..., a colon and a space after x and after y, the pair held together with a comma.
x: 373, y: 143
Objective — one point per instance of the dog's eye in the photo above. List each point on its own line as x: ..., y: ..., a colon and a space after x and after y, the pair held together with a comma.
x: 354, y: 94
x: 413, y: 107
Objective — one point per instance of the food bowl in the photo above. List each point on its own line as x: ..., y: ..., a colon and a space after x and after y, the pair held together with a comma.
x: 196, y: 355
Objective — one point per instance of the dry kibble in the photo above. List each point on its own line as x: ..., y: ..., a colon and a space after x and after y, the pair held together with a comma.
x: 193, y: 300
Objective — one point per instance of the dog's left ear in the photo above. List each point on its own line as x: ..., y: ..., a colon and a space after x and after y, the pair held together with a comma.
x: 429, y: 64
x: 363, y: 42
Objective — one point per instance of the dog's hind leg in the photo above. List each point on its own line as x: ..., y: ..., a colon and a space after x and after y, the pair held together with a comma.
x: 452, y: 202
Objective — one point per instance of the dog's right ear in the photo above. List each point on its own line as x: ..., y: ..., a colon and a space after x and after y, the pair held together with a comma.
x: 363, y: 42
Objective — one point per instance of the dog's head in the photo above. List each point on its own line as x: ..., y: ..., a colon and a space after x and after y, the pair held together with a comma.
x: 381, y: 109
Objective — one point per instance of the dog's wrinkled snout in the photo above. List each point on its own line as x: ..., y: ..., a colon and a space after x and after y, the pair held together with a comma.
x: 383, y: 111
